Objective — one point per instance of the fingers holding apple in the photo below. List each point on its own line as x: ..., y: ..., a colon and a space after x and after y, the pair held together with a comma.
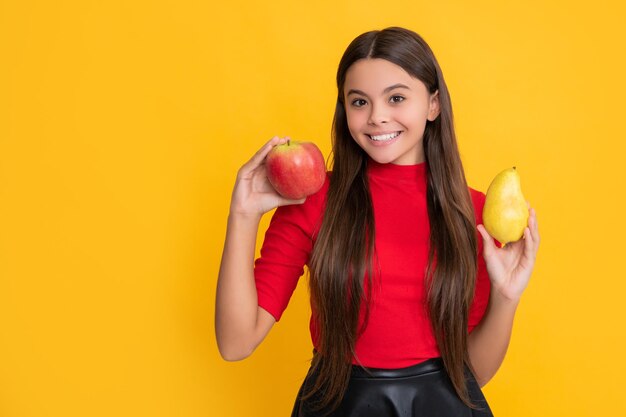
x: 252, y: 193
x: 258, y: 158
x: 255, y: 194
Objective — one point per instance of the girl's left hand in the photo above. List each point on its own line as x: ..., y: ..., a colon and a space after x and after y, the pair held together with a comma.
x: 510, y: 267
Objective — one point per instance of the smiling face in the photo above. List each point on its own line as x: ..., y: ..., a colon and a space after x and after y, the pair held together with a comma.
x: 387, y: 110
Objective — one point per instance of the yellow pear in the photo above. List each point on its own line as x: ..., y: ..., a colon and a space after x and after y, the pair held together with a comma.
x: 505, y: 214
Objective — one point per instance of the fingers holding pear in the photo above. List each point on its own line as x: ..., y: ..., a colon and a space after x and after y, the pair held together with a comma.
x: 506, y: 211
x: 532, y: 221
x: 488, y: 242
x: 531, y: 240
x: 533, y: 228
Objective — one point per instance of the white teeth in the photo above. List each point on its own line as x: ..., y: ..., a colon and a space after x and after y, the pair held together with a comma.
x: 385, y: 137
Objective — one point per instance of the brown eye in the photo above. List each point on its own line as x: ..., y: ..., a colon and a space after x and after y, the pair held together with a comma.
x: 357, y: 100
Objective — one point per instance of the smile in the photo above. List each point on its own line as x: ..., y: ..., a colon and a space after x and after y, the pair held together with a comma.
x: 386, y: 137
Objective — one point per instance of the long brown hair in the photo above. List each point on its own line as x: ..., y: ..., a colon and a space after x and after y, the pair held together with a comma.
x: 343, y: 252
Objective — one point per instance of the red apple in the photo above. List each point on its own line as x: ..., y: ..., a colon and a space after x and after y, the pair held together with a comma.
x: 296, y: 169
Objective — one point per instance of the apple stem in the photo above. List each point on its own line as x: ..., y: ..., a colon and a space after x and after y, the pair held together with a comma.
x: 288, y: 142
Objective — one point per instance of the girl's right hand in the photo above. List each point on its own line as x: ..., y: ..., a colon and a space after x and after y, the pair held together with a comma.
x: 253, y: 194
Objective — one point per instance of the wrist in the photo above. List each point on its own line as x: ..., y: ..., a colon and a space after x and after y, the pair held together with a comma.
x: 500, y: 300
x: 244, y: 217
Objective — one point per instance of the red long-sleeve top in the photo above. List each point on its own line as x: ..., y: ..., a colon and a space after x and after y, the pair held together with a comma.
x: 398, y: 332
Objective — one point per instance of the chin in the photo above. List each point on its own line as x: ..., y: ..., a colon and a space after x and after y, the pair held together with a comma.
x: 381, y: 159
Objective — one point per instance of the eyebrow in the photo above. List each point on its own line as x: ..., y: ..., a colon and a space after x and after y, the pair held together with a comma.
x: 386, y: 90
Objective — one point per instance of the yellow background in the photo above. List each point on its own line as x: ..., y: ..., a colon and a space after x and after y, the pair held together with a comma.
x: 122, y: 127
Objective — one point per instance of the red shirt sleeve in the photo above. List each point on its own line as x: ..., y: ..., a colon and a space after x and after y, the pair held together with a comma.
x: 285, y: 251
x: 483, y: 284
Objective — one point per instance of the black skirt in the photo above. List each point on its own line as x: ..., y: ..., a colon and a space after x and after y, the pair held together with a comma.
x: 424, y: 389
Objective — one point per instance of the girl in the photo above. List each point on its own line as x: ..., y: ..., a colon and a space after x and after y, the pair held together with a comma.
x: 411, y: 311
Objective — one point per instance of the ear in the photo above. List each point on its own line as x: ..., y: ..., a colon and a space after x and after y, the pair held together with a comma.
x: 433, y: 110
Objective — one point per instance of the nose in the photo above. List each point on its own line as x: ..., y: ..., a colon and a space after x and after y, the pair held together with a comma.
x: 378, y: 115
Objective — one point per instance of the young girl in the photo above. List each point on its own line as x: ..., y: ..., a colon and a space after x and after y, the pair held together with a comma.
x: 411, y: 310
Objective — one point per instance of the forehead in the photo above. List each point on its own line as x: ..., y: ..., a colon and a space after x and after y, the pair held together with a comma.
x: 373, y: 75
